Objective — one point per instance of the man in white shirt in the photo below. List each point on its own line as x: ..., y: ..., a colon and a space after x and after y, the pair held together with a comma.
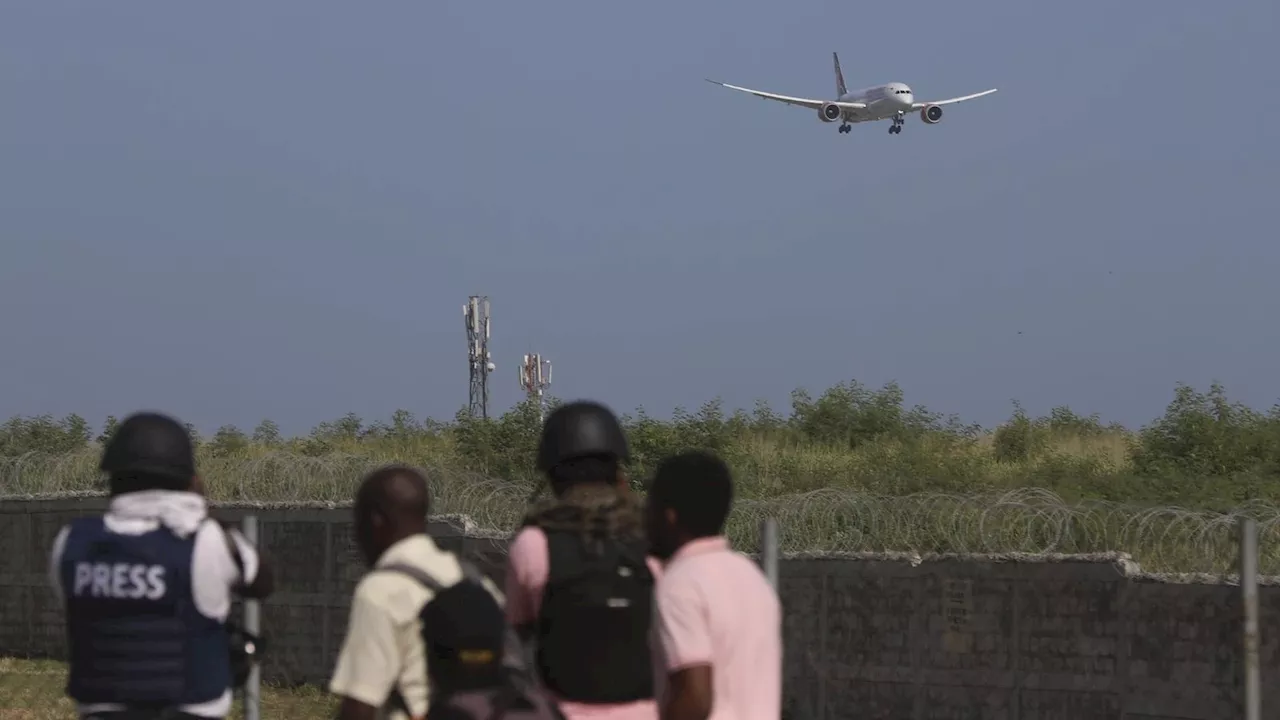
x: 381, y: 670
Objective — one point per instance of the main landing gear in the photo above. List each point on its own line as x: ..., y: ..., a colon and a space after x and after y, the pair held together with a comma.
x: 898, y: 121
x: 845, y: 128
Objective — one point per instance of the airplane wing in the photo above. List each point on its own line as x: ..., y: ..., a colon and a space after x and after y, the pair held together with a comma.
x: 801, y: 102
x: 917, y: 106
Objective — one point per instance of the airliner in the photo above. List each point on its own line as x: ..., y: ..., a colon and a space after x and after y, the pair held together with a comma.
x: 891, y: 101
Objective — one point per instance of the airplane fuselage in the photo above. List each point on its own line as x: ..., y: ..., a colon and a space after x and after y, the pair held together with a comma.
x: 882, y: 101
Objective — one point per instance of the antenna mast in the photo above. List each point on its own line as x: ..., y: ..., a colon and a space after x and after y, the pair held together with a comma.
x: 476, y: 315
x: 535, y: 377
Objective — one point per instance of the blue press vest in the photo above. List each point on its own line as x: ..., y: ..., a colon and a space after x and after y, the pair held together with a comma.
x: 136, y: 635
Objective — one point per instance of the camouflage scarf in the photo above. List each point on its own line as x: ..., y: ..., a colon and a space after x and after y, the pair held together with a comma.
x: 592, y: 509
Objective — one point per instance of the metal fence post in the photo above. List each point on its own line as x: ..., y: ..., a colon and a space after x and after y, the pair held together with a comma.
x: 252, y: 624
x: 769, y: 550
x: 1249, y: 594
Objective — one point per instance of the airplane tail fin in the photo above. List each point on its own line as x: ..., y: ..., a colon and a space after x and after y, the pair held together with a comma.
x: 841, y: 90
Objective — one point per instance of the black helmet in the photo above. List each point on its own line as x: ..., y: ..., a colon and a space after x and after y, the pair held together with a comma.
x: 579, y: 429
x: 152, y: 444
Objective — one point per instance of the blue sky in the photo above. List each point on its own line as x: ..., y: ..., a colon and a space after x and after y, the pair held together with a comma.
x: 240, y: 210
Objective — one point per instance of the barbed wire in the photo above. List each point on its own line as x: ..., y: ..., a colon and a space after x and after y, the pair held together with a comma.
x: 1029, y: 521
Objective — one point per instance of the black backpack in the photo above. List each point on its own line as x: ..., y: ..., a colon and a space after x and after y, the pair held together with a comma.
x: 475, y: 662
x: 593, y: 627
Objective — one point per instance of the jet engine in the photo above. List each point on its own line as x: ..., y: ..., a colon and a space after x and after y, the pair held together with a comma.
x: 931, y: 114
x: 829, y: 112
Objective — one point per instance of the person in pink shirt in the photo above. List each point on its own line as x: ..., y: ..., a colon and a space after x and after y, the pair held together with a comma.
x: 718, y: 622
x: 579, y: 582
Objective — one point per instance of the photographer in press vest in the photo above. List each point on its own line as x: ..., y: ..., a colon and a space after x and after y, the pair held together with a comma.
x: 579, y: 584
x: 147, y: 587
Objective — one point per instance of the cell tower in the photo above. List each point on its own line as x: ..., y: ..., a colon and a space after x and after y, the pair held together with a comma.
x: 535, y: 377
x: 476, y: 315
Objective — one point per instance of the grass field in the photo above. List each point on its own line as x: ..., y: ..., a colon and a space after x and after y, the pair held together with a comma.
x: 34, y: 690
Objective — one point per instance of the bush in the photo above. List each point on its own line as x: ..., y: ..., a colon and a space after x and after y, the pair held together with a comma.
x: 1204, y: 451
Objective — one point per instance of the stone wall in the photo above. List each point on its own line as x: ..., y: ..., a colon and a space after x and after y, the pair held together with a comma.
x: 875, y: 636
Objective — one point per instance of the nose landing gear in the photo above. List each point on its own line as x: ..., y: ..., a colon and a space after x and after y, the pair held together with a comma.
x: 898, y: 121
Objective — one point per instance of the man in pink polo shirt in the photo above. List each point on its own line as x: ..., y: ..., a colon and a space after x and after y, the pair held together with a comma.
x: 717, y: 621
x: 579, y: 584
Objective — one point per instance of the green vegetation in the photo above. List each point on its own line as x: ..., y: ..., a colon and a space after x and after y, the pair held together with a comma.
x: 1204, y: 452
x: 852, y: 469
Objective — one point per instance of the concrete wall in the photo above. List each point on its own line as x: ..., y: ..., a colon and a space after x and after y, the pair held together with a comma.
x: 873, y: 636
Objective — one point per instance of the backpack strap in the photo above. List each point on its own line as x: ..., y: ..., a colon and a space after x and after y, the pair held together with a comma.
x: 422, y: 576
x: 234, y: 549
x: 469, y: 572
